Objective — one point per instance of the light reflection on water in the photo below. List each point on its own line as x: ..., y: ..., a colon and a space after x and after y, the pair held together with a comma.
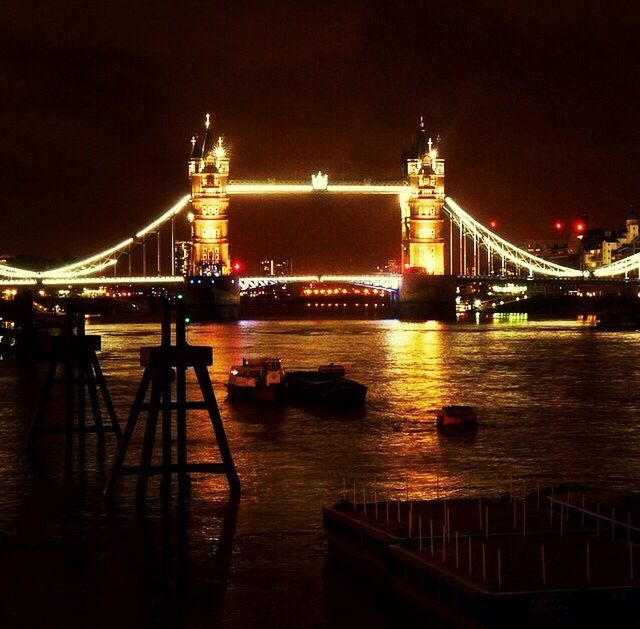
x: 556, y: 400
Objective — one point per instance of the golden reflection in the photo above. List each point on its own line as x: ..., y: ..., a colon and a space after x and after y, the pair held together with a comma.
x: 421, y: 389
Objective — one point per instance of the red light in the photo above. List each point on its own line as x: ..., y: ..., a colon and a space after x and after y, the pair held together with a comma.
x: 579, y: 227
x: 493, y: 223
x: 236, y: 266
x: 558, y: 225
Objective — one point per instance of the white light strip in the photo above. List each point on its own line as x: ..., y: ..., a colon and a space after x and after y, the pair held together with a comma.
x: 368, y: 189
x: 170, y: 213
x: 619, y: 267
x: 268, y: 188
x: 294, y: 188
x: 504, y: 248
x: 17, y: 282
x: 86, y: 261
x: 279, y: 279
x: 382, y: 281
x: 75, y: 269
x: 103, y: 281
x: 12, y: 271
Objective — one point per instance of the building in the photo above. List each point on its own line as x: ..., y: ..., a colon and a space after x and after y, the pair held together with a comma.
x: 422, y: 219
x: 208, y: 176
x: 182, y: 256
x: 280, y: 268
x: 600, y: 247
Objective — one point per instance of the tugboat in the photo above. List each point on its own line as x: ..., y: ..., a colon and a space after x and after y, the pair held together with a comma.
x: 457, y: 418
x: 260, y: 379
x: 327, y: 385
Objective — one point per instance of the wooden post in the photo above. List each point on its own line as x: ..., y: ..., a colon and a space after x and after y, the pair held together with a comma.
x: 354, y: 495
x: 444, y: 543
x: 515, y: 520
x: 398, y: 505
x: 344, y: 488
x: 480, y: 512
x: 387, y: 510
x: 128, y: 431
x: 486, y: 522
x: 484, y: 565
x: 457, y: 552
x: 469, y: 553
x: 444, y: 512
x: 613, y: 524
x: 165, y: 400
x: 364, y: 499
x: 375, y: 500
x: 420, y: 531
x: 431, y: 529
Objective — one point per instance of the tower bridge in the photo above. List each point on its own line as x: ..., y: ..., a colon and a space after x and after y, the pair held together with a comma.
x: 441, y: 244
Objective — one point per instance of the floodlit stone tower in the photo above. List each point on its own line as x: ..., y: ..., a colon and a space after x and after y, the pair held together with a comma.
x: 422, y: 220
x: 208, y: 175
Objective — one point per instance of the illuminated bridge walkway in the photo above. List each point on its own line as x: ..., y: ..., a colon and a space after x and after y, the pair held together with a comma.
x: 474, y: 250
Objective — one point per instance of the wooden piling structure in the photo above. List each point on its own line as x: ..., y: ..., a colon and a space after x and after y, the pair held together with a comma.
x: 76, y: 353
x: 158, y: 363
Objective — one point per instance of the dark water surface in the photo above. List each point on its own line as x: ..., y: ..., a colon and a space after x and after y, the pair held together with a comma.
x: 556, y: 400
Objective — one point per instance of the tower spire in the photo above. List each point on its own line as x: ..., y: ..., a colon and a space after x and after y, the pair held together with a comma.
x: 194, y: 147
x: 206, y: 141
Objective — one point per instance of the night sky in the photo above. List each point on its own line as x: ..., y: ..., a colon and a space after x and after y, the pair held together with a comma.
x: 537, y: 104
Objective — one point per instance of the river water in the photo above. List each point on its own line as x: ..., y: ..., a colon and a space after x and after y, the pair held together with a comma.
x: 556, y: 400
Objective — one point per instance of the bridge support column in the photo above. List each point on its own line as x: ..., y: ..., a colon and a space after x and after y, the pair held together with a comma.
x: 427, y: 296
x: 212, y: 298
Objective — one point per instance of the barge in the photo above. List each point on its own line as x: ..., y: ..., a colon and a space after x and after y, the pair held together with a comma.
x: 494, y: 561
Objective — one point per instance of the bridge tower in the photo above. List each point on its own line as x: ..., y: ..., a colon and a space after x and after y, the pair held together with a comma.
x: 422, y: 219
x: 208, y: 176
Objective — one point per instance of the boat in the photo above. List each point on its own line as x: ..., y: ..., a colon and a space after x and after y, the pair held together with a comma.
x: 617, y: 320
x: 258, y: 379
x: 326, y: 385
x: 457, y: 417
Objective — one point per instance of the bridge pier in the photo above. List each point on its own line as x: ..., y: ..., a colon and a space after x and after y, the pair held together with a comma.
x: 212, y: 298
x: 427, y: 296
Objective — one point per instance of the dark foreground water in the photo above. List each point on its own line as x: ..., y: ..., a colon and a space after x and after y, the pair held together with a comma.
x: 557, y: 401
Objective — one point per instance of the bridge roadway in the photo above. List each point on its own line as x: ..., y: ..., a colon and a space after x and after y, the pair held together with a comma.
x: 384, y: 281
x: 366, y: 186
